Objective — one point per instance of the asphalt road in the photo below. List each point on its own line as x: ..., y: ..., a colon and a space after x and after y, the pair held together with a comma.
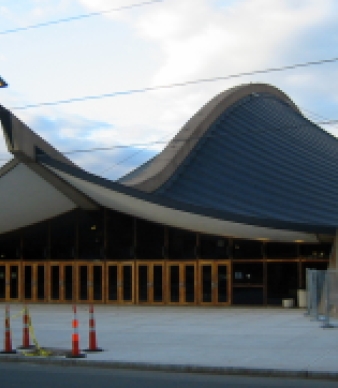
x: 25, y: 375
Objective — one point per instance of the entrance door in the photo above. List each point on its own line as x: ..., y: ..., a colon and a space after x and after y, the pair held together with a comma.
x: 214, y: 283
x: 90, y: 282
x: 150, y: 282
x: 120, y: 282
x: 61, y: 282
x: 9, y: 281
x: 181, y: 283
x: 34, y: 282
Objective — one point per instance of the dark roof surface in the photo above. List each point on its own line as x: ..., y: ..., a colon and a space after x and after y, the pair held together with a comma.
x: 247, y: 157
x: 261, y: 158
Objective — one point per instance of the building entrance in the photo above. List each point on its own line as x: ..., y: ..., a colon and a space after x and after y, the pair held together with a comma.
x: 123, y: 282
x: 34, y: 282
x: 120, y: 281
x: 90, y: 282
x: 214, y: 283
x: 150, y: 282
x: 181, y: 282
x: 9, y: 281
x: 61, y: 277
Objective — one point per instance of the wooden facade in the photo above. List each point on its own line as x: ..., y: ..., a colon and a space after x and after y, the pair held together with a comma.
x: 108, y: 257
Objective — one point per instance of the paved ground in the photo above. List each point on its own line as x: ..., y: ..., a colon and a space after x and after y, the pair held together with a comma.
x: 262, y: 339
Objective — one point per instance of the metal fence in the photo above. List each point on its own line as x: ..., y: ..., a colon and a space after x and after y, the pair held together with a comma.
x: 322, y: 296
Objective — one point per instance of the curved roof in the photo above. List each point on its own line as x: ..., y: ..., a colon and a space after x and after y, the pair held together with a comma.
x: 248, y: 165
x: 260, y: 157
x: 156, y: 171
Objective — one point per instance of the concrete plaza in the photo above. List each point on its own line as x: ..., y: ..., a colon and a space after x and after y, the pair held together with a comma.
x: 253, y: 339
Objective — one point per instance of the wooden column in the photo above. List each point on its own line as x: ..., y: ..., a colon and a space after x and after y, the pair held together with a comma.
x: 333, y: 263
x: 231, y: 257
x: 265, y: 274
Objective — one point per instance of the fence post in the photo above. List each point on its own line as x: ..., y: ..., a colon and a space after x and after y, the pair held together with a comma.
x: 314, y: 295
x: 327, y: 304
x: 308, y: 289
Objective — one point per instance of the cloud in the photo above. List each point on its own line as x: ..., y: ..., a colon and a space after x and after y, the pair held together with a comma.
x: 73, y: 134
x: 197, y: 39
x: 163, y: 43
x: 203, y: 38
x: 112, y: 164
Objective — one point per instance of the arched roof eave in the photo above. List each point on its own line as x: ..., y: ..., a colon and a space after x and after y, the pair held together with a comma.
x: 177, y: 214
x: 150, y: 176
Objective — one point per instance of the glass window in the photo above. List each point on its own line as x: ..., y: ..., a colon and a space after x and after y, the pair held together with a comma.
x: 282, y: 281
x: 213, y: 247
x: 182, y: 244
x: 120, y: 236
x: 35, y: 242
x: 247, y: 249
x: 91, y: 236
x: 150, y: 240
x: 10, y: 246
x: 247, y: 273
x: 63, y: 237
x: 281, y: 250
x: 248, y: 295
x: 315, y: 251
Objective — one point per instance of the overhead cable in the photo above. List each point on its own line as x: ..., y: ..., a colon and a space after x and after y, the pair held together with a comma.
x: 148, y: 144
x: 78, y: 17
x: 178, y: 84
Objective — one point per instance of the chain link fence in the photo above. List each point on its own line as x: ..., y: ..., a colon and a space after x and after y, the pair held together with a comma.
x: 322, y: 296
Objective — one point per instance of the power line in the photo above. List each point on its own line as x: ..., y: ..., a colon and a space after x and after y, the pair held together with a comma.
x: 178, y: 84
x: 78, y: 17
x: 173, y: 141
x: 142, y: 145
x: 136, y: 145
x: 134, y: 154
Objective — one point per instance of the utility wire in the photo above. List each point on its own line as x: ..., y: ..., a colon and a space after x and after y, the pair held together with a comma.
x: 78, y: 17
x: 178, y: 84
x: 142, y: 145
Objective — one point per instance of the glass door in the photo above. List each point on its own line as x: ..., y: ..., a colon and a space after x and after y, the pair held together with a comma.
x: 34, y: 282
x: 214, y: 283
x: 61, y: 282
x: 9, y: 281
x: 181, y: 283
x: 90, y: 282
x: 150, y: 282
x: 120, y: 282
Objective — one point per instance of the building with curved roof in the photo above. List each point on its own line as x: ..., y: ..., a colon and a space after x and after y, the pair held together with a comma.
x: 234, y: 209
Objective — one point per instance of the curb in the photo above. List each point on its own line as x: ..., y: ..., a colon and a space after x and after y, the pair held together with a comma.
x: 258, y: 372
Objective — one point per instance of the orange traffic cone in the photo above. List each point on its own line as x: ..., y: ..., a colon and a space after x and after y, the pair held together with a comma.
x: 8, y: 338
x: 75, y: 338
x: 25, y: 330
x: 92, y: 332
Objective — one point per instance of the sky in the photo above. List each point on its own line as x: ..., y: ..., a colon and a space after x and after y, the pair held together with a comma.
x: 152, y: 44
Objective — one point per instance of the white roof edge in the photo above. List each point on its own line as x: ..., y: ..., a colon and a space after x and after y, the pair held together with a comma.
x: 178, y: 218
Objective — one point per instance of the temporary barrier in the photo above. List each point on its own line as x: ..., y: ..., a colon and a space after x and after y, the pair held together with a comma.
x: 75, y: 338
x: 25, y: 330
x: 322, y: 289
x: 8, y: 338
x: 92, y: 332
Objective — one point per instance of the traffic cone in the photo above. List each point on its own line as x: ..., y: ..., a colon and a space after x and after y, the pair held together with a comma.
x: 75, y: 338
x: 8, y: 338
x: 92, y: 332
x: 25, y: 330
